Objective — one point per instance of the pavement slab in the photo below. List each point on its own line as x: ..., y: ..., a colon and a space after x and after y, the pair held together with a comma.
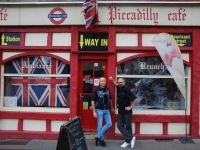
x: 151, y: 144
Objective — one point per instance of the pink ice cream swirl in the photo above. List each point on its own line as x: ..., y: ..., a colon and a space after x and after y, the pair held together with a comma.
x: 168, y: 57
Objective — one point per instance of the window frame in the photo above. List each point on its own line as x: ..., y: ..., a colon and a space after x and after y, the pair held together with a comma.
x: 30, y: 108
x: 157, y: 111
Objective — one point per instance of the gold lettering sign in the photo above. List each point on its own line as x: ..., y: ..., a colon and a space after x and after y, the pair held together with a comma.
x: 183, y: 39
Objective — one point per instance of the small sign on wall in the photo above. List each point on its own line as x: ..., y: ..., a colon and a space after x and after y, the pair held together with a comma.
x: 10, y: 101
x: 85, y: 105
x: 93, y: 41
x: 183, y: 39
x: 96, y: 82
x: 95, y: 64
x: 10, y: 39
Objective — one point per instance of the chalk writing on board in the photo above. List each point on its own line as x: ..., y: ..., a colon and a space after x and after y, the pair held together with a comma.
x: 76, y: 133
x: 78, y: 141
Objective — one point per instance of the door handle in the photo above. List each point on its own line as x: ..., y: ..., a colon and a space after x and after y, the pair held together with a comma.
x: 81, y: 96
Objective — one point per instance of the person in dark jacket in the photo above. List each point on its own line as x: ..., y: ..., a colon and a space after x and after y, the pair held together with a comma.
x: 101, y: 103
x: 126, y: 100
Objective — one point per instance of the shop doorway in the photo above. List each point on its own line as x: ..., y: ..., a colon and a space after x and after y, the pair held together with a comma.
x: 90, y: 72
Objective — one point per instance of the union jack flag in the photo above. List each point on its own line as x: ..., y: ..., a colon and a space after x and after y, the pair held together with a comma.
x: 40, y: 91
x: 90, y: 10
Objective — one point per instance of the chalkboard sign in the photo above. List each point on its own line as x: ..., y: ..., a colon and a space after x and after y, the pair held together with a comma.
x: 71, y: 136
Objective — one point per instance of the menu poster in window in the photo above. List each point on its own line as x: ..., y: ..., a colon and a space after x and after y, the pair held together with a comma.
x: 87, y: 78
x: 85, y: 105
x: 10, y: 101
x: 71, y: 136
x: 96, y: 82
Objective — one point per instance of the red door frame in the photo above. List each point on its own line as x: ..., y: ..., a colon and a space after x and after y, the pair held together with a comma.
x: 87, y: 114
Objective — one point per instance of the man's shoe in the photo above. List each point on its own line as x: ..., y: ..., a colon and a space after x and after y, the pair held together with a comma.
x: 97, y: 141
x: 133, y: 142
x: 102, y: 143
x: 124, y: 145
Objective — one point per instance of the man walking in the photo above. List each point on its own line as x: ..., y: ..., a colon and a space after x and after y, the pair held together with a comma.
x: 101, y: 102
x: 126, y: 100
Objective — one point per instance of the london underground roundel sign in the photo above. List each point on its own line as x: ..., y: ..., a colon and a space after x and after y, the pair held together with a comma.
x: 62, y: 15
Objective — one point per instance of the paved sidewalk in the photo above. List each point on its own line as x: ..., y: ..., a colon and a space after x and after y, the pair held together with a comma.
x: 110, y: 145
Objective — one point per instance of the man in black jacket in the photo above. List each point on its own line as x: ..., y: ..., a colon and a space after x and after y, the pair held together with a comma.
x: 101, y: 102
x: 126, y: 100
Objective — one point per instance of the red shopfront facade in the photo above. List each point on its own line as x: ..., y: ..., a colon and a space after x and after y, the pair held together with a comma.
x: 66, y: 75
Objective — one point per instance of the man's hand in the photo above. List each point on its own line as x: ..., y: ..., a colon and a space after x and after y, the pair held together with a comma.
x: 95, y: 114
x: 128, y: 108
x: 113, y: 81
x: 112, y: 110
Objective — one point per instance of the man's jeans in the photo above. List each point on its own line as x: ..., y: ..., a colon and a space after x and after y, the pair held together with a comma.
x: 124, y: 125
x: 103, y: 114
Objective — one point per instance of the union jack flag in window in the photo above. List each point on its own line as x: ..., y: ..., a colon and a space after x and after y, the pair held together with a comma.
x: 38, y: 89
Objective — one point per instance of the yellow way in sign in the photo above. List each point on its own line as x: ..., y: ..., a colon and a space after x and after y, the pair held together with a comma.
x: 92, y: 42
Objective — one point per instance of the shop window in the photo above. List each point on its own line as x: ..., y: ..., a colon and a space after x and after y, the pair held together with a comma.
x: 149, y: 79
x: 37, y: 81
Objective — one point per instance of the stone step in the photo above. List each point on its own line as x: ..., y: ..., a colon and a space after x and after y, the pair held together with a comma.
x: 89, y: 135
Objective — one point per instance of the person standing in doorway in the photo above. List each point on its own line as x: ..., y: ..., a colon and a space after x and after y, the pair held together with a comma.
x: 126, y: 100
x: 101, y: 103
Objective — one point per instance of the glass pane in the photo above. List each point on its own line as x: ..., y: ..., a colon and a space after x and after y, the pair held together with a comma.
x: 156, y: 93
x: 61, y: 67
x: 87, y: 77
x: 38, y: 65
x: 42, y: 92
x: 87, y: 102
x: 145, y: 66
x: 99, y: 70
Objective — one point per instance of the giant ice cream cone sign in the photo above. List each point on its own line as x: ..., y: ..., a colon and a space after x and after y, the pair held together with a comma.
x: 171, y: 56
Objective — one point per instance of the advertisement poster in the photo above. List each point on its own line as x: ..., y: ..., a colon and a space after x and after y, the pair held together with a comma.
x: 10, y: 101
x: 96, y: 82
x: 171, y: 56
x: 85, y: 105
